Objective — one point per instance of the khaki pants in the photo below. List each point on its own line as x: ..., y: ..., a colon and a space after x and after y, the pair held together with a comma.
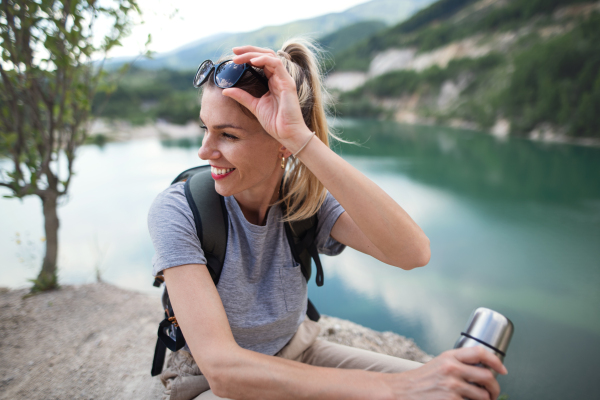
x: 183, y: 380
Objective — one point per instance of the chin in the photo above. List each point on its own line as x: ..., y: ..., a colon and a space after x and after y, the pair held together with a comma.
x: 223, y: 190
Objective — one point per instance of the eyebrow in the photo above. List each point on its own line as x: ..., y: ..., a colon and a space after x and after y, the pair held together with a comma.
x: 224, y: 126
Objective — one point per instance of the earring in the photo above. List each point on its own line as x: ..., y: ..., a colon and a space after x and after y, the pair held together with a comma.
x: 282, y: 162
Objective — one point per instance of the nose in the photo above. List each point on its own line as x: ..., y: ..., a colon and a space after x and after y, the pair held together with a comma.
x: 208, y: 150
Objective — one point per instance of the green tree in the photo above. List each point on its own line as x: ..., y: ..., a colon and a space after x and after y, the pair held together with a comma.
x: 47, y: 81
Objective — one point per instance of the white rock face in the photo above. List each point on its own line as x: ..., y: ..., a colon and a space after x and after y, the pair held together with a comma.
x: 408, y: 59
x: 451, y: 90
x: 467, y: 48
x: 501, y: 128
x: 391, y: 60
x: 345, y: 81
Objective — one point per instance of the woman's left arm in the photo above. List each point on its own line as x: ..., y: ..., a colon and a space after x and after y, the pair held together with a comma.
x: 373, y: 223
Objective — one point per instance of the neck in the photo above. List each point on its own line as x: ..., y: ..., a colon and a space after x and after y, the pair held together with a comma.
x: 256, y: 201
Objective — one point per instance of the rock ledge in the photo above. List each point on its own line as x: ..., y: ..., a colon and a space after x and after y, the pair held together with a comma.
x: 97, y: 342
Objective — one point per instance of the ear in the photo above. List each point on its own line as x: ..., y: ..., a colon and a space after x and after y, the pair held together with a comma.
x: 286, y: 153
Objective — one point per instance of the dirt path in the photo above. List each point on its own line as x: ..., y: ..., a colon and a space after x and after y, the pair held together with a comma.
x: 97, y: 341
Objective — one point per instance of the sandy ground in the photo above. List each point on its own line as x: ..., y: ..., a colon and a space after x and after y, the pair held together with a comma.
x: 97, y: 342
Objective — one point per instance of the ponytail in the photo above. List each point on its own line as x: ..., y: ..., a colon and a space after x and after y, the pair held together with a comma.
x: 303, y: 193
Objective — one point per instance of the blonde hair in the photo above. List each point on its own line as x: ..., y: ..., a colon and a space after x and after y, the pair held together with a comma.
x: 303, y: 194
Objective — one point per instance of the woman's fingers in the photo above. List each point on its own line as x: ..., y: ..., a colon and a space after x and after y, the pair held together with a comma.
x: 482, y: 377
x: 254, y: 59
x: 246, y: 57
x: 473, y: 392
x: 242, y: 97
x: 270, y: 63
x: 249, y: 57
x: 476, y: 355
x: 247, y: 49
x: 273, y: 67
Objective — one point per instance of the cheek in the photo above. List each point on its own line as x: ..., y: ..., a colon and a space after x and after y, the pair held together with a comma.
x: 257, y: 159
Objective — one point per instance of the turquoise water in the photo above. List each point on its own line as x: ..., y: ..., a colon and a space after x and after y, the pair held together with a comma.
x: 514, y: 225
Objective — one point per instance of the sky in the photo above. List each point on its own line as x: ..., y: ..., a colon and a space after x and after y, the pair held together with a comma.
x: 176, y: 23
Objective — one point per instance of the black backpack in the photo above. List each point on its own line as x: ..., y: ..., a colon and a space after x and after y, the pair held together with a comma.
x: 210, y: 215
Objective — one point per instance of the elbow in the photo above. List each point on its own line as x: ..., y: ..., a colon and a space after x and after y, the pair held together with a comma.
x: 424, y: 254
x: 218, y: 379
x: 419, y: 257
x: 218, y: 373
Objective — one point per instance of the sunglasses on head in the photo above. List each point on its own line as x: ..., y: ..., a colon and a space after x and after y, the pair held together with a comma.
x: 227, y: 74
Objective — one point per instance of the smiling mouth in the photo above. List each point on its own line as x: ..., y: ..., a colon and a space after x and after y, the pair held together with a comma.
x: 220, y: 173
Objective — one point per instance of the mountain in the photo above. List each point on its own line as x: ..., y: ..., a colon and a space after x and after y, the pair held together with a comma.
x: 191, y: 55
x: 347, y: 36
x: 520, y: 67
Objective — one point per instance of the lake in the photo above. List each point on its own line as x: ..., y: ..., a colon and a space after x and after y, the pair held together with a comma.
x: 514, y: 226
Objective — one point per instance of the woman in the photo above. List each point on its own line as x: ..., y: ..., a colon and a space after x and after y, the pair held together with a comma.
x: 249, y: 336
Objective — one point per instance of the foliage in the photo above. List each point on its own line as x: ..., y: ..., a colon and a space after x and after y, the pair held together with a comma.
x: 346, y: 37
x: 44, y: 282
x: 361, y: 107
x: 142, y: 96
x: 439, y: 10
x: 558, y: 82
x: 511, y: 16
x: 47, y: 84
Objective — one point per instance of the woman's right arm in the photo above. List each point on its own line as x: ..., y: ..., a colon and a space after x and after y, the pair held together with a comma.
x: 236, y: 373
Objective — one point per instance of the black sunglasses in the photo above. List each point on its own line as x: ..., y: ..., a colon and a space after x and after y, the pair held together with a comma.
x: 226, y: 75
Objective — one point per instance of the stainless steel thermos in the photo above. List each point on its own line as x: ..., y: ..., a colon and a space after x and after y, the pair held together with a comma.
x: 489, y: 329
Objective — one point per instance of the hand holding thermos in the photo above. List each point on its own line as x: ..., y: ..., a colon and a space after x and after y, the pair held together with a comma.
x: 488, y: 329
x: 458, y: 373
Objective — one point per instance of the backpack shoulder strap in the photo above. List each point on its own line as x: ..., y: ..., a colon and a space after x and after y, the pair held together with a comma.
x: 301, y: 236
x: 210, y: 217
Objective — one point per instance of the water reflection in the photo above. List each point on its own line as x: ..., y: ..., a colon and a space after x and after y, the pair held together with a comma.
x: 476, y: 165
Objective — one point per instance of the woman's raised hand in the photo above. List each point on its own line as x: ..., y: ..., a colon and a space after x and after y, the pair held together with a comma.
x: 449, y: 377
x: 278, y: 110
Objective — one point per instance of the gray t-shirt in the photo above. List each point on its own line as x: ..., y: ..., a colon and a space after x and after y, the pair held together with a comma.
x: 261, y: 286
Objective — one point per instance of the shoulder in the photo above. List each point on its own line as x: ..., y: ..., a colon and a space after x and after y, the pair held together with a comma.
x: 170, y: 199
x: 170, y: 207
x: 173, y: 231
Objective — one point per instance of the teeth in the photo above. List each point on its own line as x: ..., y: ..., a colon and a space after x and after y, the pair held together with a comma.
x: 220, y: 171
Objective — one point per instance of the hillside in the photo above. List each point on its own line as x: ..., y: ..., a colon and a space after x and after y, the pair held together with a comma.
x: 529, y: 68
x: 189, y: 56
x: 161, y: 89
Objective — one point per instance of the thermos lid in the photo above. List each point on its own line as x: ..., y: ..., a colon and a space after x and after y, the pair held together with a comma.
x: 490, y: 328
